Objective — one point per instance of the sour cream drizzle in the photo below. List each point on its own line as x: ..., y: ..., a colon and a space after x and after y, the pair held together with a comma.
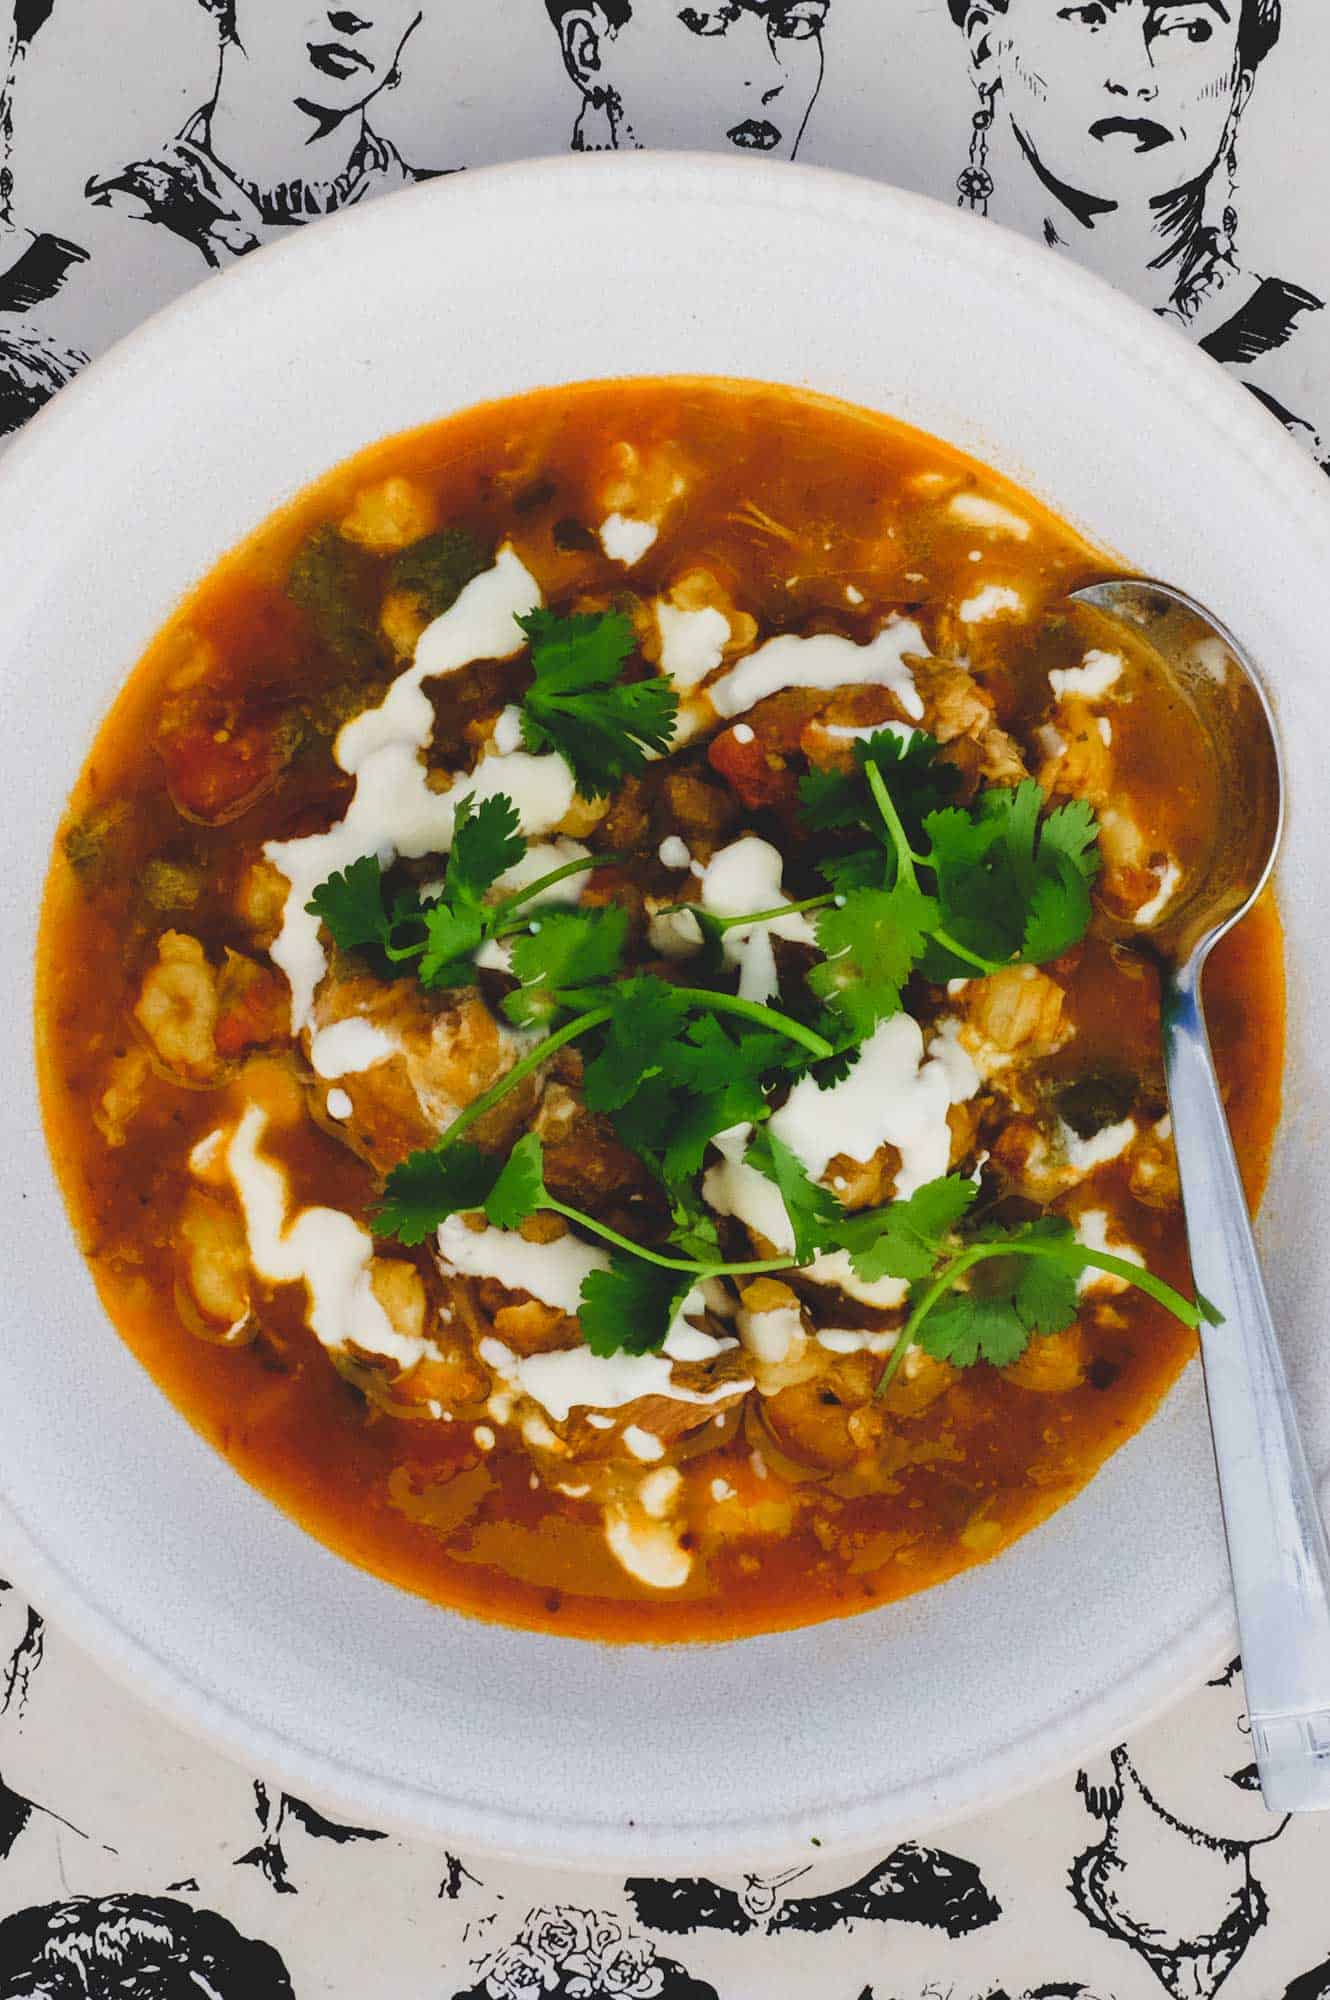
x: 893, y: 1094
x: 692, y: 643
x: 746, y: 876
x: 323, y: 1249
x: 394, y: 811
x: 550, y: 1272
x: 348, y: 1047
x: 574, y: 1378
x: 826, y: 661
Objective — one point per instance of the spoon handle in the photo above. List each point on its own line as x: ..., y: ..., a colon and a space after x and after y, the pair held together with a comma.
x: 1276, y: 1537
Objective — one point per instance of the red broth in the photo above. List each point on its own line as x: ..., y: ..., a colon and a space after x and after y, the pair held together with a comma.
x: 803, y: 1497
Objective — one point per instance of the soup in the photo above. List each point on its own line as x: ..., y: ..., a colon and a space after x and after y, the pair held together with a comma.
x: 592, y: 1020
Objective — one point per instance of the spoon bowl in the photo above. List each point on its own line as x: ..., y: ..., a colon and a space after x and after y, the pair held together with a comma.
x: 1276, y: 1538
x: 1233, y: 709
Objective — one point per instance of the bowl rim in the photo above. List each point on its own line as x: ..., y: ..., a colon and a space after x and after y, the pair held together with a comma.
x: 1274, y: 460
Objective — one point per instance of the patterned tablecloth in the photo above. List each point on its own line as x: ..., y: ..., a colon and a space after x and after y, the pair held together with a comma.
x: 1182, y: 148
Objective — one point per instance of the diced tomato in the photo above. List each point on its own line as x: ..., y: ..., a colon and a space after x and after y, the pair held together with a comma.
x: 217, y: 766
x: 256, y: 1009
x: 749, y: 772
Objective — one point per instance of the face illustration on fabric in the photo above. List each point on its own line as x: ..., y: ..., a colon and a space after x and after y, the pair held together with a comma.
x: 1114, y: 100
x: 1199, y: 1769
x: 14, y: 1642
x: 332, y: 60
x: 712, y: 75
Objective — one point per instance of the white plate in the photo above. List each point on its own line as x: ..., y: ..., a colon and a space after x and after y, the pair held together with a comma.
x: 127, y: 1527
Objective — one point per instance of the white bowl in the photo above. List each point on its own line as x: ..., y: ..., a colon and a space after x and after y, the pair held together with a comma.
x: 124, y: 1524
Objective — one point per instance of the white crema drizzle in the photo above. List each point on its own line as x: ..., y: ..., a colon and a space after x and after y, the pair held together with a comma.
x: 394, y: 811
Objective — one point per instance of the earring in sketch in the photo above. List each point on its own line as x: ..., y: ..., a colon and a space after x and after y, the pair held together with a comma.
x: 975, y: 183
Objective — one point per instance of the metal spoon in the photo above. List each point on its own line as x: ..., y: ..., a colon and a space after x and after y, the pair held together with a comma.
x: 1276, y: 1538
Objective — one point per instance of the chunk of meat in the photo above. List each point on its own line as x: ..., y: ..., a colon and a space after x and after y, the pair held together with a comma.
x: 1019, y: 1008
x: 450, y: 1049
x: 1052, y: 1364
x: 918, y: 1383
x: 957, y: 708
x: 403, y: 616
x: 1153, y: 1173
x: 535, y: 1328
x: 644, y: 483
x: 864, y: 1183
x: 700, y: 812
x: 260, y: 900
x: 818, y: 1424
x: 1028, y: 1164
x: 400, y: 1290
x: 390, y: 515
x: 177, y: 1008
x: 1077, y: 762
x: 214, y: 1263
x: 119, y: 1102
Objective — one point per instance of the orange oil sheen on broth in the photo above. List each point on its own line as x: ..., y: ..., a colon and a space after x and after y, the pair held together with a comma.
x: 789, y: 501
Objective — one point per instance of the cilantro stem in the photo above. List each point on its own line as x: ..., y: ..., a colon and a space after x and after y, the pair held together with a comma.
x: 905, y: 862
x: 968, y: 957
x: 1073, y: 1256
x: 765, y: 1017
x: 502, y: 912
x: 519, y: 1072
x: 905, y: 854
x: 722, y: 924
x: 700, y: 1270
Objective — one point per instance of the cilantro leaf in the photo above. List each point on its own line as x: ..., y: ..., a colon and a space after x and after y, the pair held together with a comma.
x: 830, y: 799
x: 872, y: 942
x: 452, y: 937
x: 1010, y: 884
x: 1008, y: 1298
x: 438, y: 568
x: 578, y: 705
x: 427, y: 1187
x: 905, y: 1239
x: 520, y: 1189
x: 815, y: 1214
x: 1059, y: 909
x: 569, y: 655
x: 1045, y: 1297
x: 644, y: 1122
x: 965, y: 1327
x: 863, y: 868
x: 350, y: 905
x: 698, y: 1119
x: 647, y: 1015
x: 630, y: 1308
x: 565, y: 948
x: 486, y: 843
x: 695, y: 1230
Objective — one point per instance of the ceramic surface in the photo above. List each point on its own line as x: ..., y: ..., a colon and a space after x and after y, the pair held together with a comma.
x: 124, y: 1523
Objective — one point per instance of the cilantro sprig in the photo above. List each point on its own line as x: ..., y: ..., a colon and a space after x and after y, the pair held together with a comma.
x: 939, y: 888
x: 438, y: 938
x: 1029, y: 1287
x: 578, y: 703
x: 945, y: 889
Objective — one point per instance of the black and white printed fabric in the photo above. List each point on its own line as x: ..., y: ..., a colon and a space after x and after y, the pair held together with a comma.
x: 136, y: 1862
x: 1179, y: 147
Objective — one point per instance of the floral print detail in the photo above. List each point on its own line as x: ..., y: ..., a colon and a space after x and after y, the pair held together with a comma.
x: 575, y: 1954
